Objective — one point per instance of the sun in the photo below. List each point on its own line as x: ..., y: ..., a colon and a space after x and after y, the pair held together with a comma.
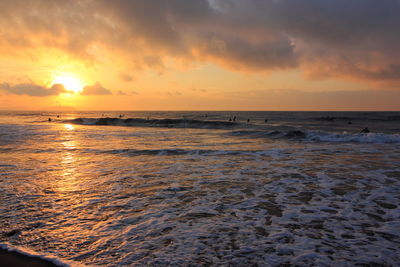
x: 70, y: 82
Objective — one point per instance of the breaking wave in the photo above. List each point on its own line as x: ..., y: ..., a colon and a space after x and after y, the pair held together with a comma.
x: 194, y: 152
x: 320, y: 136
x: 169, y: 123
x: 251, y: 131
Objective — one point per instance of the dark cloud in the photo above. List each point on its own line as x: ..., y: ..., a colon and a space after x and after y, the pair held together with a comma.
x: 346, y: 39
x: 95, y: 89
x: 32, y: 89
x: 239, y: 53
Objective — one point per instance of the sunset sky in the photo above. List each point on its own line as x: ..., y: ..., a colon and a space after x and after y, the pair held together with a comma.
x: 200, y: 55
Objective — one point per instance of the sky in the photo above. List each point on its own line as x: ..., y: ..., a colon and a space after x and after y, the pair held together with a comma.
x: 199, y: 55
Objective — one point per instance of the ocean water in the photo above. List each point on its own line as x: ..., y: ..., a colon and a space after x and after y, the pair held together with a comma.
x: 193, y: 189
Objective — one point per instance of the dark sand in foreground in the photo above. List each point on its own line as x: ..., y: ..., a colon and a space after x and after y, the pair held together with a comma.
x: 12, y: 258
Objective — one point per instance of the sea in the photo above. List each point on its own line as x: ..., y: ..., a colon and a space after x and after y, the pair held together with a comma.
x: 228, y: 188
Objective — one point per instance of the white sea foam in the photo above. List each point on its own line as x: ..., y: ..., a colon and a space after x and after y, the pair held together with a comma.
x: 372, y: 138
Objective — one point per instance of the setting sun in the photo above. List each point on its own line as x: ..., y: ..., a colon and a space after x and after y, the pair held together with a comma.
x: 70, y: 82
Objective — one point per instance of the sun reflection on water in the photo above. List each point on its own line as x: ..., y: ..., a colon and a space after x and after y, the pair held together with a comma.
x: 69, y: 176
x: 69, y: 127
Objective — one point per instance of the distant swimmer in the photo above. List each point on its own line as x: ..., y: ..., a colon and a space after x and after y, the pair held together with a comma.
x: 58, y: 116
x: 234, y: 118
x: 266, y: 120
x: 248, y: 120
x: 365, y: 130
x: 349, y: 122
x: 49, y: 119
x: 230, y: 119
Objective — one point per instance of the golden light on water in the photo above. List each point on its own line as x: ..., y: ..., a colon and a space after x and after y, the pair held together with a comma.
x: 69, y: 181
x: 69, y: 127
x: 70, y: 82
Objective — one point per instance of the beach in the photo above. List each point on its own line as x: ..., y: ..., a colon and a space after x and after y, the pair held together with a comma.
x: 12, y: 258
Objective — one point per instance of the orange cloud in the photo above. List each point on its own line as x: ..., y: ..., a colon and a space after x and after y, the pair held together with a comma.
x: 95, y: 89
x: 32, y: 89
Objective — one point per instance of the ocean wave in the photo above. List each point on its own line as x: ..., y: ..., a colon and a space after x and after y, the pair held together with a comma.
x: 169, y: 123
x: 373, y: 138
x: 386, y: 118
x: 175, y: 152
x: 251, y: 131
x: 290, y: 134
x: 329, y: 118
x: 321, y: 136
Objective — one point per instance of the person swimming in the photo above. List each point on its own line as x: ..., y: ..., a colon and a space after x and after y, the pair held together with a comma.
x: 365, y: 130
x: 49, y: 119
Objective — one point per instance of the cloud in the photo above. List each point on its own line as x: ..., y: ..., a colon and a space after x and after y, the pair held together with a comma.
x: 95, y: 89
x: 126, y: 77
x: 173, y: 93
x: 32, y: 89
x: 343, y: 39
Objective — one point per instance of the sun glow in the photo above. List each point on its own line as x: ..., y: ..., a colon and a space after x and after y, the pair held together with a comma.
x: 70, y: 82
x: 69, y: 127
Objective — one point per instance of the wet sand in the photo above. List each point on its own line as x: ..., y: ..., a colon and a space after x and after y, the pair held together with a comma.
x: 12, y: 258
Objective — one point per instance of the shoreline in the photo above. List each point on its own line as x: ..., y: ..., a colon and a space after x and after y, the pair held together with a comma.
x: 14, y: 258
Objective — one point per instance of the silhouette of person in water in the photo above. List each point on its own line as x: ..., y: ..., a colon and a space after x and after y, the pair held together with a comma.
x: 234, y: 118
x: 248, y: 120
x: 365, y: 130
x: 266, y: 120
x: 230, y: 119
x: 49, y: 119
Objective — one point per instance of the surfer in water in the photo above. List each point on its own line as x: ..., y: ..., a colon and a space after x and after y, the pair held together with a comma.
x: 365, y: 130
